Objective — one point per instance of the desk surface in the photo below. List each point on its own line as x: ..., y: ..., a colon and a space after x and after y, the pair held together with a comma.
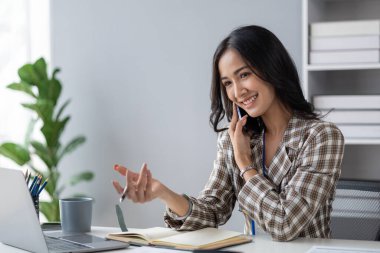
x: 261, y: 243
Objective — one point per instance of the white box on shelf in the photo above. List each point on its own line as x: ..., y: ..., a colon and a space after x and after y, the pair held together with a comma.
x: 345, y: 42
x: 328, y: 102
x: 345, y: 57
x: 352, y: 116
x: 345, y: 28
x: 360, y: 131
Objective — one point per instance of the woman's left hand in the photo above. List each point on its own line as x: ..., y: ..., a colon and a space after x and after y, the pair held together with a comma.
x: 240, y: 140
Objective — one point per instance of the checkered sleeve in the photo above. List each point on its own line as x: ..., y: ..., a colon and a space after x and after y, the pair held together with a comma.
x: 287, y: 213
x: 214, y: 205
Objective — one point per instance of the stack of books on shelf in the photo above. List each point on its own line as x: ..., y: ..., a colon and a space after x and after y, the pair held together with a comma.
x: 345, y: 42
x: 357, y: 116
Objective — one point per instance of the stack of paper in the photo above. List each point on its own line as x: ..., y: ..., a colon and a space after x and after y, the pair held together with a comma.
x: 345, y: 42
x: 357, y: 116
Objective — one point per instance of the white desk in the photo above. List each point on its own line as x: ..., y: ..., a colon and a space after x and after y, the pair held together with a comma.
x: 261, y: 244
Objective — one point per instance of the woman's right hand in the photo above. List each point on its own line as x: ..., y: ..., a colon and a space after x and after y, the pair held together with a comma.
x: 140, y: 187
x: 240, y: 140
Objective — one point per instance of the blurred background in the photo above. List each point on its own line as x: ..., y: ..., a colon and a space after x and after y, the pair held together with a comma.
x: 138, y: 74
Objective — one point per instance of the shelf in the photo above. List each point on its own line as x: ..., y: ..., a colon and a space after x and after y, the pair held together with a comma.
x: 331, y: 67
x: 362, y: 141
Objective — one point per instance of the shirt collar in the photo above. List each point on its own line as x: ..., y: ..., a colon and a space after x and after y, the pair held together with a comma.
x: 292, y: 135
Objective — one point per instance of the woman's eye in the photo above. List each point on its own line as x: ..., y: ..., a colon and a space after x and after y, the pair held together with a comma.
x: 244, y: 75
x: 227, y: 83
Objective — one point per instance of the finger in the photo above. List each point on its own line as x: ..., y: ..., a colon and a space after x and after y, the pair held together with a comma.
x: 240, y: 124
x: 122, y: 170
x: 148, y: 192
x: 231, y: 129
x: 235, y: 117
x: 131, y: 192
x: 141, y: 183
x: 117, y: 187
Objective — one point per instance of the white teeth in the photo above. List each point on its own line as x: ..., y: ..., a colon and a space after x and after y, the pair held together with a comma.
x: 250, y: 100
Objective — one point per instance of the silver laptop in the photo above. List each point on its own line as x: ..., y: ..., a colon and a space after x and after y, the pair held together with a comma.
x: 20, y: 227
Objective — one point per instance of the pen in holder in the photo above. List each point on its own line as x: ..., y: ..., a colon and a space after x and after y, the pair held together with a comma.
x: 36, y: 203
x: 35, y: 189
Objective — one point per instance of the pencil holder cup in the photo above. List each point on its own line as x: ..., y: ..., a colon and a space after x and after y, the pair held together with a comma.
x: 36, y: 203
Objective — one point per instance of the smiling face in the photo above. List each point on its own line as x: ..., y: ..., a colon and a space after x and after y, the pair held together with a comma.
x: 244, y: 87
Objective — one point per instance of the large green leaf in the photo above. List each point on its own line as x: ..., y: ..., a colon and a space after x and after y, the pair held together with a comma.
x: 43, y: 153
x: 22, y: 86
x: 40, y: 68
x: 43, y: 89
x: 83, y: 176
x: 53, y: 131
x: 61, y: 110
x: 50, y: 90
x: 73, y: 144
x: 44, y: 108
x: 28, y: 74
x: 16, y: 152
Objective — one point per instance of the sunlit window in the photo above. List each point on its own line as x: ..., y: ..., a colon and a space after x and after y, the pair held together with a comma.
x: 24, y: 37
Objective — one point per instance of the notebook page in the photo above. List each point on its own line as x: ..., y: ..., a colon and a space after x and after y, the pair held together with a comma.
x: 151, y: 233
x: 200, y: 237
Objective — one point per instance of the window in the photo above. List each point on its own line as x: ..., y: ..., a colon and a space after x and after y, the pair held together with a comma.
x: 24, y: 37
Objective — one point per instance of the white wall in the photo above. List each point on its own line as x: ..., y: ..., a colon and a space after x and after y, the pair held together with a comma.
x: 138, y: 73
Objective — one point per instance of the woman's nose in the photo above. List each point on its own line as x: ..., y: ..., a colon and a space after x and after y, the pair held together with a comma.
x: 239, y: 90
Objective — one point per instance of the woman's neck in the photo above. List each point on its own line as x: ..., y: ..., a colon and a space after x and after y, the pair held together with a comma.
x: 276, y: 119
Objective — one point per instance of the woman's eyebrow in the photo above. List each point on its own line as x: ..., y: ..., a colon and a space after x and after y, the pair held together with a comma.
x: 235, y: 72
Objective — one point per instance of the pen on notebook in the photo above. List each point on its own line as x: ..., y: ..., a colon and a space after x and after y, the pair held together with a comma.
x: 43, y: 186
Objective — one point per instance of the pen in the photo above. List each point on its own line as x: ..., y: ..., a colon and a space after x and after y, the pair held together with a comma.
x: 32, y: 185
x: 28, y: 179
x: 43, y: 186
x: 36, y: 186
x: 120, y: 219
x: 123, y: 195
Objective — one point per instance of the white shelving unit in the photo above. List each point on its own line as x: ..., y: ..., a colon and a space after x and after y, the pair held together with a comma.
x: 339, y: 79
x: 344, y: 79
x: 341, y: 67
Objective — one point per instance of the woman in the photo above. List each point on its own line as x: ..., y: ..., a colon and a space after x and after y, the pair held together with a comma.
x: 279, y: 162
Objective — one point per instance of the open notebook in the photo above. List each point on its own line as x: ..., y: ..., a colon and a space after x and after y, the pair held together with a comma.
x: 207, y: 238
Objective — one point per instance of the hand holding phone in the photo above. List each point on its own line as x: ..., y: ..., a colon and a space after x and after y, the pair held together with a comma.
x: 241, y: 112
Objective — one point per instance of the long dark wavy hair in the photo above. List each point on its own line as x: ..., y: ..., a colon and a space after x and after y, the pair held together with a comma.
x: 269, y: 60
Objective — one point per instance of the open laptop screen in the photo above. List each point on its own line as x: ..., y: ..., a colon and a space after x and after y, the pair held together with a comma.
x: 20, y: 226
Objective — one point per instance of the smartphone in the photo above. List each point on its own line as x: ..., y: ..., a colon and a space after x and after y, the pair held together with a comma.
x: 241, y: 112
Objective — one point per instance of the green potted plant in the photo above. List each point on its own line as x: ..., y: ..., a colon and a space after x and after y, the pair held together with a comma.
x: 44, y: 92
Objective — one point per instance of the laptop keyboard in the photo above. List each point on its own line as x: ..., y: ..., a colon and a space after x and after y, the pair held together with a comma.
x: 55, y: 244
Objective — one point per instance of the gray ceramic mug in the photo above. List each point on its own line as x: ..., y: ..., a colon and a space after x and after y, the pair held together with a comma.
x: 76, y: 214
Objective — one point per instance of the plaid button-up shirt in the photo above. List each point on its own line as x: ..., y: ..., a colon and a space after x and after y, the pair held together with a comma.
x: 295, y: 198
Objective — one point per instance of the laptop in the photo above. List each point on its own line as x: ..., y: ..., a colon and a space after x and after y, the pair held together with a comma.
x: 20, y: 227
